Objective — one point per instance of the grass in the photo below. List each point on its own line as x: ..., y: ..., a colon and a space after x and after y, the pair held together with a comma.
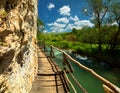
x: 75, y: 46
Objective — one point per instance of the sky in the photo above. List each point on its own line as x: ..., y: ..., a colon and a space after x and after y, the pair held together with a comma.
x: 63, y: 15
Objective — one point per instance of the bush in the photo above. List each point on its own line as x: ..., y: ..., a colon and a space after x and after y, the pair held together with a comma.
x: 64, y: 44
x: 78, y: 49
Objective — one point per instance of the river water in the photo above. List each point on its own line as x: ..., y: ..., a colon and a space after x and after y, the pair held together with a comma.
x: 87, y: 80
x: 105, y: 70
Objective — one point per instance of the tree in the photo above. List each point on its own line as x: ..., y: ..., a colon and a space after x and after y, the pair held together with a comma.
x: 98, y: 8
x: 74, y: 34
x: 40, y: 26
x: 114, y: 17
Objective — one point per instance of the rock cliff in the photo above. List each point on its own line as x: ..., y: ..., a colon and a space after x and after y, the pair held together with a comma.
x: 18, y: 55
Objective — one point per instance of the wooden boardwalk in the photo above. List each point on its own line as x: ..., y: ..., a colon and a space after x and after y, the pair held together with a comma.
x: 49, y: 78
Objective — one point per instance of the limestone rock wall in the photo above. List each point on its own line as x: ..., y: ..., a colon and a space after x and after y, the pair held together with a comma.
x: 18, y: 55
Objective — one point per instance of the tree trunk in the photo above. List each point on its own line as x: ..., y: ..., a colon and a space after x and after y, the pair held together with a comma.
x: 100, y: 39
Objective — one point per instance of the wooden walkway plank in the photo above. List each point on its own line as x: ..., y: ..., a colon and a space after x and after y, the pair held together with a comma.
x: 47, y: 81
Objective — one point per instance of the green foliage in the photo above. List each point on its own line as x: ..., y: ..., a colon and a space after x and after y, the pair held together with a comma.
x: 64, y: 44
x: 3, y: 13
x: 98, y: 10
x: 85, y: 35
x: 39, y: 22
x: 114, y: 11
x: 40, y: 28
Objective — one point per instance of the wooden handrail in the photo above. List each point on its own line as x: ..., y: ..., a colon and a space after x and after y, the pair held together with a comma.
x: 106, y: 82
x: 79, y: 85
x: 70, y: 83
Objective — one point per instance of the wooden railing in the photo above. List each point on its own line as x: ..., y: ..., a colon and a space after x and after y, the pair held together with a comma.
x: 108, y: 86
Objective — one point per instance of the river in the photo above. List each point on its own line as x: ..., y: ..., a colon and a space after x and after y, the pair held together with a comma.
x: 88, y: 81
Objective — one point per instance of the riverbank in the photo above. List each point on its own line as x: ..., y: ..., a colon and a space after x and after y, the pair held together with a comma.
x: 90, y: 51
x: 112, y: 59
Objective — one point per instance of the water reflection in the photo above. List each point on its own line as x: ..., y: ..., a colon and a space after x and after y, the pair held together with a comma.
x: 104, y: 69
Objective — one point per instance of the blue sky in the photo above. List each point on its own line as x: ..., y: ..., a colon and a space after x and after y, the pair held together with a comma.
x: 63, y: 15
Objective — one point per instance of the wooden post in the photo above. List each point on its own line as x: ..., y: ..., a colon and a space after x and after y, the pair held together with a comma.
x: 66, y: 62
x: 52, y: 52
x: 45, y: 49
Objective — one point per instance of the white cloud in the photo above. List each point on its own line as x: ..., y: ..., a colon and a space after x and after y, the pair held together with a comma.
x: 68, y: 23
x: 57, y: 27
x: 82, y: 23
x: 45, y: 31
x: 79, y: 24
x: 69, y: 27
x: 51, y: 6
x: 63, y: 20
x: 55, y: 24
x: 75, y: 18
x: 65, y: 10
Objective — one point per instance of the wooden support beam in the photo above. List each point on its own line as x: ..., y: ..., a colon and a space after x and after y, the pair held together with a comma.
x: 107, y: 89
x: 66, y: 63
